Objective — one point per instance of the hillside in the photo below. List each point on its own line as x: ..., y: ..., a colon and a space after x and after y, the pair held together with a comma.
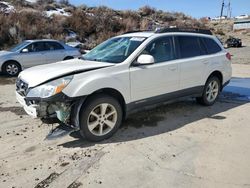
x: 31, y: 19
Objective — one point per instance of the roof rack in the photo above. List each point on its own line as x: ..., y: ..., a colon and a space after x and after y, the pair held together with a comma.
x: 169, y: 30
x: 137, y: 31
x: 187, y: 30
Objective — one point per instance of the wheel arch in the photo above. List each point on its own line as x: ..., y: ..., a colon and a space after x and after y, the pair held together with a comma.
x: 219, y: 75
x: 113, y: 93
x: 11, y: 60
x: 116, y: 94
x: 68, y: 58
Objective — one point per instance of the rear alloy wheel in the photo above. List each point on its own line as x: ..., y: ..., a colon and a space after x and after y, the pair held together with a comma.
x: 211, y: 92
x: 11, y: 68
x: 100, y: 118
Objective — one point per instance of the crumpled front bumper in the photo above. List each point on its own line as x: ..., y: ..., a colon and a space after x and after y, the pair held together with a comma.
x: 31, y: 110
x: 54, y: 110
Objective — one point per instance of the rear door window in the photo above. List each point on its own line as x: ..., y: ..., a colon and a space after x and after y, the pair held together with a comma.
x: 211, y: 45
x: 54, y: 46
x: 190, y: 46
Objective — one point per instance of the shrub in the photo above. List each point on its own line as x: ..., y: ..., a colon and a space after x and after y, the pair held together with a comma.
x: 92, y: 24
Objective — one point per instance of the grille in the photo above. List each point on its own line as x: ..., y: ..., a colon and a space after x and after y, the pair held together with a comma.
x: 21, y: 87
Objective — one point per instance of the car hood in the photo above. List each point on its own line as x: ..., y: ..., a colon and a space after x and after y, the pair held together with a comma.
x: 3, y: 53
x: 40, y: 74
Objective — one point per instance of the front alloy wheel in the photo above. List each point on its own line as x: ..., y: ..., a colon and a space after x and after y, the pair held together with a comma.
x: 100, y: 117
x: 11, y: 68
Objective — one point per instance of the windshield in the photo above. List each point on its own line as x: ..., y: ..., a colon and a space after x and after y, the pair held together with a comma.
x: 114, y: 50
x: 19, y: 46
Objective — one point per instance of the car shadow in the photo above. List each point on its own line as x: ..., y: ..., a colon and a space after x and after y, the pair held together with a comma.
x: 170, y: 117
x: 6, y: 80
x: 163, y: 119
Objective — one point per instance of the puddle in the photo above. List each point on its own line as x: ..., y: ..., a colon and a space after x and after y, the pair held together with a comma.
x: 237, y: 89
x: 142, y: 120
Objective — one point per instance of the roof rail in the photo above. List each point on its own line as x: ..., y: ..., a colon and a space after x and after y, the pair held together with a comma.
x: 188, y: 30
x: 137, y: 31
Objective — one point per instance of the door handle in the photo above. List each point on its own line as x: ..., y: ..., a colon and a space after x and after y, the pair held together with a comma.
x: 205, y: 62
x: 172, y: 68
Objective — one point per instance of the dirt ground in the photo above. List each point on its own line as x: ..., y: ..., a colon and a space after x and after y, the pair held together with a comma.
x: 177, y: 145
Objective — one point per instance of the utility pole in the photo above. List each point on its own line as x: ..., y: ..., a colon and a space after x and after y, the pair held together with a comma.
x: 222, y: 8
x: 229, y: 9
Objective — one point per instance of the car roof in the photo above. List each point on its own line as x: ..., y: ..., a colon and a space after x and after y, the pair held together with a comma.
x: 42, y: 40
x: 139, y: 34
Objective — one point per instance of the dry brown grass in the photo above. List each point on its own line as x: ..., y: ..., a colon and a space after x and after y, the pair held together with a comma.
x: 92, y: 25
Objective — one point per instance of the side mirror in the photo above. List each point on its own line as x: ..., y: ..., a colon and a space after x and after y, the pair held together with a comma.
x: 25, y: 50
x: 145, y: 59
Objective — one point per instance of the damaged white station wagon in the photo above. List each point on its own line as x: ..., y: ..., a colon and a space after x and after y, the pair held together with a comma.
x: 123, y: 75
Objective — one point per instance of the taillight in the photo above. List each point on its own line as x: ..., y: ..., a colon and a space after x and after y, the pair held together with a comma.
x: 229, y: 56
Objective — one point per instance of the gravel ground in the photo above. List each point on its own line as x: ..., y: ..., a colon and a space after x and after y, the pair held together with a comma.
x: 240, y: 55
x: 177, y: 145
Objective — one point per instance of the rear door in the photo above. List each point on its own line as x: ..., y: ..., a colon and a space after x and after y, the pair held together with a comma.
x: 160, y: 78
x: 193, y: 61
x: 216, y: 57
x: 55, y: 52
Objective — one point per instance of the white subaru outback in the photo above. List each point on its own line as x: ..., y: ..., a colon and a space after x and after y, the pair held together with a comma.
x: 123, y: 75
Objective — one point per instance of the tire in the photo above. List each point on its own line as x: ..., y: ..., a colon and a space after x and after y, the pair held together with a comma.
x: 209, y: 96
x: 68, y: 58
x: 97, y: 124
x: 11, y: 68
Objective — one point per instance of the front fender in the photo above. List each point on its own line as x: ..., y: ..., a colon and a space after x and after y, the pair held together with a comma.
x: 90, y: 82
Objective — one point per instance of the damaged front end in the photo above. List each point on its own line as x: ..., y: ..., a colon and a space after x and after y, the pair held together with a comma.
x: 55, y: 112
x: 49, y: 103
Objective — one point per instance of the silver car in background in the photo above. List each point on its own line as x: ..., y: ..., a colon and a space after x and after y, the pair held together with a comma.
x: 35, y: 52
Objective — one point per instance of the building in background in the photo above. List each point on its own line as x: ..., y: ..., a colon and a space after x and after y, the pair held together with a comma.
x: 241, y: 25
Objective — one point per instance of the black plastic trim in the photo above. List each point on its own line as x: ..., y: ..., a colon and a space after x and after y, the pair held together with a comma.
x: 185, y: 30
x: 157, y: 100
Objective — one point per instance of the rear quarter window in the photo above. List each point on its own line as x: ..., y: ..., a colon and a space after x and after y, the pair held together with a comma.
x: 211, y: 46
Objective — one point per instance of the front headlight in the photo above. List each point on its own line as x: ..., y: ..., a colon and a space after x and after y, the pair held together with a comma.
x: 51, y: 88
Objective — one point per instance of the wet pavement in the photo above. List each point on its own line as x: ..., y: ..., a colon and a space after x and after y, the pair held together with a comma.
x: 237, y: 89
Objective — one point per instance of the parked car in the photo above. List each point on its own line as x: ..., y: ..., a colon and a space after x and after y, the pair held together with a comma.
x: 123, y: 75
x: 79, y: 46
x: 243, y: 16
x: 234, y: 42
x: 34, y: 52
x: 219, y: 18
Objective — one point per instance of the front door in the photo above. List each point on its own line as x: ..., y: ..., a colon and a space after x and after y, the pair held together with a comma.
x: 160, y: 78
x: 32, y: 55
